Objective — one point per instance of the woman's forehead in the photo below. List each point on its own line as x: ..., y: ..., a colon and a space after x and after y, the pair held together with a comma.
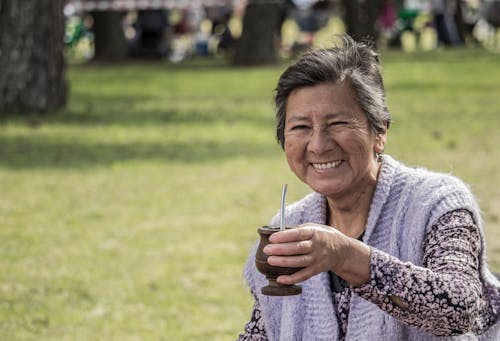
x: 327, y: 100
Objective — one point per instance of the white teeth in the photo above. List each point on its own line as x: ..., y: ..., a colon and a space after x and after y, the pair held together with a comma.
x: 327, y: 165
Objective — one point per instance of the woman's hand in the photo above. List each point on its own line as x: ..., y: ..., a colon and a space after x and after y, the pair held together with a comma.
x: 318, y: 248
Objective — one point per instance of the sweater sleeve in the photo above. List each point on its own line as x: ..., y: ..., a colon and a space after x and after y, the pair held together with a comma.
x: 444, y: 296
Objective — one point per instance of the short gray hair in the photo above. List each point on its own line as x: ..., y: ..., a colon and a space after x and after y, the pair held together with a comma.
x: 350, y: 60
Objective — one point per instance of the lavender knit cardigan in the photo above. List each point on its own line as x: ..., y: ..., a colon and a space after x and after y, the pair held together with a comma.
x: 406, y: 203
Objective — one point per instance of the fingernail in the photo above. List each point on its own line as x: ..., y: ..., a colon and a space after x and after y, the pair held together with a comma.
x: 266, y: 249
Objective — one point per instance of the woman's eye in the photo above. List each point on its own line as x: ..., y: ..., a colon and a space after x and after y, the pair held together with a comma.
x: 337, y: 123
x: 299, y: 127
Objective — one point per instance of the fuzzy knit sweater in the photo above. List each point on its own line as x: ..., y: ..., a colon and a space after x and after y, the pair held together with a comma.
x: 406, y: 203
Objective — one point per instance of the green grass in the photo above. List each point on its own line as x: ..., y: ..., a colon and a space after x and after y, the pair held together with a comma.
x: 129, y: 215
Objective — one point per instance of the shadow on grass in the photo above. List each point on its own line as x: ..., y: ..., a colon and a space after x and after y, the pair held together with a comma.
x: 138, y: 118
x: 94, y: 110
x: 35, y: 152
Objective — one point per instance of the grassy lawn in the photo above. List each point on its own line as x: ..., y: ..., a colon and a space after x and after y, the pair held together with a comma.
x: 129, y: 215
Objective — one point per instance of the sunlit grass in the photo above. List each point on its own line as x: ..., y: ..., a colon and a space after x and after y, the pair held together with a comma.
x: 129, y: 215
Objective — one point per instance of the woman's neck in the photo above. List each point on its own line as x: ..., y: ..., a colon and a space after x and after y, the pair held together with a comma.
x: 350, y: 214
x: 350, y: 221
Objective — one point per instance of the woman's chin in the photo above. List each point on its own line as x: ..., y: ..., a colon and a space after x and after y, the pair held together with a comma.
x: 327, y: 190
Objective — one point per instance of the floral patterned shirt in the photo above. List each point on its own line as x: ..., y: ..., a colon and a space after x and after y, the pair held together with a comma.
x: 418, y: 296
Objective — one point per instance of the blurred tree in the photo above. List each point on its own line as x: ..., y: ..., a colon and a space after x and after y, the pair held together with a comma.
x: 261, y: 25
x: 32, y: 66
x: 361, y: 18
x: 109, y: 39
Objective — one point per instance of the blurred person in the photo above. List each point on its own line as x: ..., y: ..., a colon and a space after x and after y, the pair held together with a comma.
x: 150, y: 39
x: 388, y: 15
x: 444, y: 12
x: 388, y: 20
x: 491, y: 12
x: 470, y: 10
x: 221, y: 29
x: 383, y: 251
x: 310, y: 16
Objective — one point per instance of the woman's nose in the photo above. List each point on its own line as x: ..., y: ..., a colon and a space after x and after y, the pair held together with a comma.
x: 320, y: 142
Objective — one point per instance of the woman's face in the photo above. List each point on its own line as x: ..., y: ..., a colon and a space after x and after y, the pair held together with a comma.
x: 329, y: 144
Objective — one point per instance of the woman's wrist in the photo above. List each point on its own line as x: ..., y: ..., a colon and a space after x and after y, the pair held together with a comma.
x: 355, y: 267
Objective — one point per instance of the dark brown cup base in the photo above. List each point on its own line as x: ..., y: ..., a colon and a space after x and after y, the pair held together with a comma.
x: 275, y: 289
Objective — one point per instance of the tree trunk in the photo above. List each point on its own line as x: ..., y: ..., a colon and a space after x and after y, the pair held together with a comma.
x: 32, y: 77
x: 361, y: 19
x: 258, y: 44
x: 109, y: 39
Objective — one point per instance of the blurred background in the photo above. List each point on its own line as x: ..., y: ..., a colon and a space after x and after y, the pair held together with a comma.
x: 177, y: 30
x: 137, y: 149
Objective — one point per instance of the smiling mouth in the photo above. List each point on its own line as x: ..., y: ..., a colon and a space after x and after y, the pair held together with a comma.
x: 326, y: 165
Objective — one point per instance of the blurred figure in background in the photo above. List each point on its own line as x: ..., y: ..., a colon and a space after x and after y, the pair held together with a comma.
x: 444, y: 12
x: 220, y: 17
x: 388, y: 22
x: 150, y: 39
x: 311, y: 16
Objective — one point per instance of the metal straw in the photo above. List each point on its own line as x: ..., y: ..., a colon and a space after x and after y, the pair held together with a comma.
x: 282, y: 207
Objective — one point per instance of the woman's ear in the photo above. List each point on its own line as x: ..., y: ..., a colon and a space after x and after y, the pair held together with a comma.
x: 380, y: 140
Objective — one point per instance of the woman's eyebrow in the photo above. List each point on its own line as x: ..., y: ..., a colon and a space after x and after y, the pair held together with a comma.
x: 330, y: 116
x: 299, y: 118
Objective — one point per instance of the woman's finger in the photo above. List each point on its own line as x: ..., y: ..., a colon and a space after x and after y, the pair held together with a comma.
x: 292, y: 235
x: 288, y: 249
x: 297, y: 277
x: 297, y: 261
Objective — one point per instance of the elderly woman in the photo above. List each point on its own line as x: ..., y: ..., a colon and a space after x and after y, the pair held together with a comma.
x: 386, y: 252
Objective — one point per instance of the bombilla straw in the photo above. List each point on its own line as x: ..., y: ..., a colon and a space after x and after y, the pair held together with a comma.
x: 282, y: 207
